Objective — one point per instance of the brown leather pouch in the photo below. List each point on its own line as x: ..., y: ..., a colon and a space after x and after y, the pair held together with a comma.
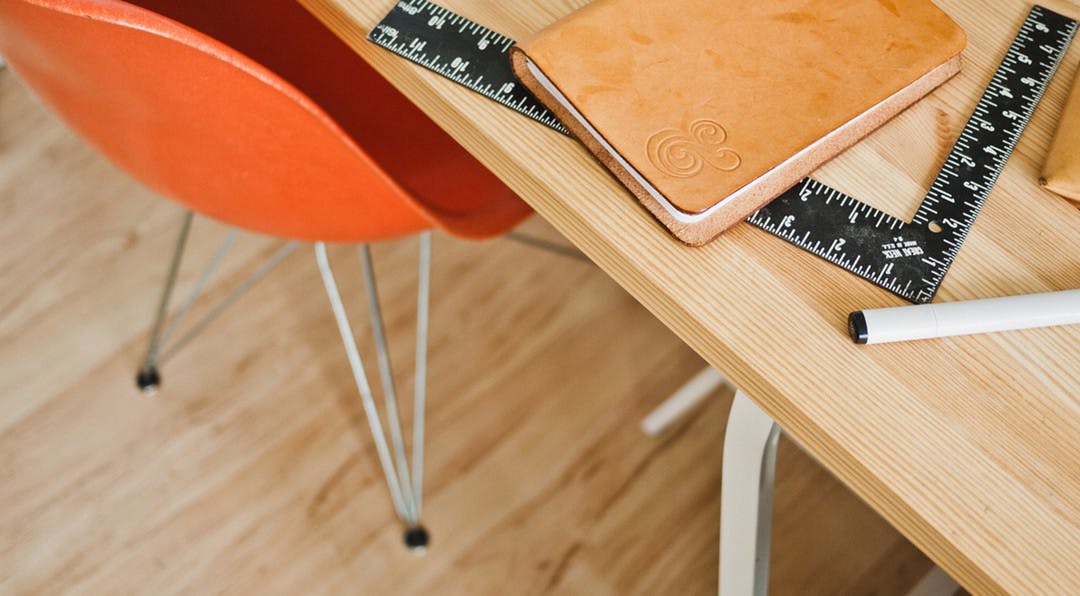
x: 1061, y: 172
x: 708, y: 109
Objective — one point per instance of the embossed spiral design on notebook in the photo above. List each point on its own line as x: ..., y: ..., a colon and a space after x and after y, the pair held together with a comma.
x: 683, y: 154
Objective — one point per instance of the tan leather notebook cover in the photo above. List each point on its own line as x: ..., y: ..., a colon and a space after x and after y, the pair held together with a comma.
x: 708, y: 109
x: 1061, y: 172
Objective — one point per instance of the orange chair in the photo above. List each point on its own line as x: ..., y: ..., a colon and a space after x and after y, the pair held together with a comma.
x: 252, y: 113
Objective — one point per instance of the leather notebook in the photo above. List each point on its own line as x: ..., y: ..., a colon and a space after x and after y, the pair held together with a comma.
x: 708, y: 109
x: 1061, y: 172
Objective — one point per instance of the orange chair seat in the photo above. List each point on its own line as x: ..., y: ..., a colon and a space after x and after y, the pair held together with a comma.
x: 252, y: 112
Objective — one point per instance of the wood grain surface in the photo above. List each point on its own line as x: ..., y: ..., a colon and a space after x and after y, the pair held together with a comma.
x: 967, y: 445
x: 251, y: 472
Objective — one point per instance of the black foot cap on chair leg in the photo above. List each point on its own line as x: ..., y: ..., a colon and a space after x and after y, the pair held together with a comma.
x: 416, y: 539
x: 148, y: 380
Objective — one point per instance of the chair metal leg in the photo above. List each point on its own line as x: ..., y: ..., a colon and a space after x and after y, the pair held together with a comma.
x: 545, y: 245
x: 159, y: 350
x: 386, y: 377
x: 423, y: 302
x: 405, y: 488
x: 200, y: 283
x: 148, y: 379
x: 682, y: 401
x: 746, y: 499
x: 242, y: 288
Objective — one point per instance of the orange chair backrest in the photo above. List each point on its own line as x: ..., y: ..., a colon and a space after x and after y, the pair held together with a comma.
x: 205, y: 125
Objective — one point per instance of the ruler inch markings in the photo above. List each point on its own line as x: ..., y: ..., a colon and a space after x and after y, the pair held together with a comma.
x: 917, y: 255
x: 475, y: 53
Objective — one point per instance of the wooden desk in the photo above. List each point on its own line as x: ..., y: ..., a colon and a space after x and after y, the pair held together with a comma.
x: 978, y: 462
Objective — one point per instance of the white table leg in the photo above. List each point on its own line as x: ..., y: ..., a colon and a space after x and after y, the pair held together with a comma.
x: 746, y: 498
x: 935, y: 583
x: 682, y: 401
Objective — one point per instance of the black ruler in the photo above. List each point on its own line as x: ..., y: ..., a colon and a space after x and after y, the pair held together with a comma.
x: 460, y: 50
x: 909, y: 259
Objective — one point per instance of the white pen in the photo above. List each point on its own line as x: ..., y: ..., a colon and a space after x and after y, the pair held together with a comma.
x: 927, y: 321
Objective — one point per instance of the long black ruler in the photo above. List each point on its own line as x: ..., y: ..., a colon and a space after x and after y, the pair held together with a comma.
x: 460, y: 50
x: 909, y: 259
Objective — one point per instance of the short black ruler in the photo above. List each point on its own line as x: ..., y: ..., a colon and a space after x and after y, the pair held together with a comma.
x: 909, y: 259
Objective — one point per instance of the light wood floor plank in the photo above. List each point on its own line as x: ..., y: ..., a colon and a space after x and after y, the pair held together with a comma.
x: 252, y: 471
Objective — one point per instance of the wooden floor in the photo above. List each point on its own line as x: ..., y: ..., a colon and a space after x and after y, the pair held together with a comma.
x: 252, y: 471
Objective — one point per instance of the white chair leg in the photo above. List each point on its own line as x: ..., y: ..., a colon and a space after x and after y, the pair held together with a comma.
x: 159, y: 348
x: 682, y: 401
x: 147, y: 378
x: 386, y: 376
x: 405, y: 487
x: 360, y: 376
x: 746, y: 498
